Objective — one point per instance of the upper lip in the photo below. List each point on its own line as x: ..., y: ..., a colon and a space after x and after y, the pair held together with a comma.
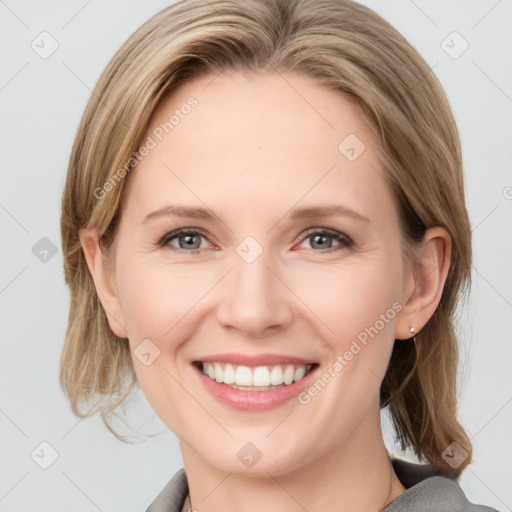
x: 256, y: 360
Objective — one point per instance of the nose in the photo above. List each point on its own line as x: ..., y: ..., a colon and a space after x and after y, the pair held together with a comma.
x: 255, y: 299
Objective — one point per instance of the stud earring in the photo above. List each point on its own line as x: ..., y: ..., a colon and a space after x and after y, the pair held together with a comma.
x: 412, y: 330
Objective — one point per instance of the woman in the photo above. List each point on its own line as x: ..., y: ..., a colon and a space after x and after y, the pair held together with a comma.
x: 264, y: 228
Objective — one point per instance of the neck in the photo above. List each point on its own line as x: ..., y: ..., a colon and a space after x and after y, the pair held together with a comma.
x: 356, y: 476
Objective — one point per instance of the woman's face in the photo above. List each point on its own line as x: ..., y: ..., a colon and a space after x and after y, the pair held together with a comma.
x: 268, y: 273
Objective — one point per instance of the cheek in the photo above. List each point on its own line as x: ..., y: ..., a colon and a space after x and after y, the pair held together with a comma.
x: 350, y: 297
x: 356, y: 305
x: 158, y: 303
x: 155, y: 297
x: 161, y: 302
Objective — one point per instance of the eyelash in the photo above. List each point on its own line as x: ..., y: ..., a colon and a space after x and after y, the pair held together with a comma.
x: 344, y: 240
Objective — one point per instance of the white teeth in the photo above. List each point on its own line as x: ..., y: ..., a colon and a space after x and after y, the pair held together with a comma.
x: 243, y: 376
x: 219, y: 374
x: 260, y: 377
x: 299, y: 373
x: 276, y: 376
x: 229, y: 374
x: 288, y: 374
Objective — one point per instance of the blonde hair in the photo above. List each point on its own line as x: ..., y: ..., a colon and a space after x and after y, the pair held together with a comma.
x: 346, y: 47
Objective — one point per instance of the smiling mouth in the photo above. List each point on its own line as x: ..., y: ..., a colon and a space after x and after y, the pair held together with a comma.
x: 259, y: 378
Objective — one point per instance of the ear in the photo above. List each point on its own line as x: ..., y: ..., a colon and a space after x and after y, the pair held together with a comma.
x: 104, y: 281
x: 424, y: 283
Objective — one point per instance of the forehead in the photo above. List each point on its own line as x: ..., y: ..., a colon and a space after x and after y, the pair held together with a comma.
x: 278, y: 136
x: 265, y: 110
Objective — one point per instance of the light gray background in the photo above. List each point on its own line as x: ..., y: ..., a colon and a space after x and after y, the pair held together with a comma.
x: 41, y: 103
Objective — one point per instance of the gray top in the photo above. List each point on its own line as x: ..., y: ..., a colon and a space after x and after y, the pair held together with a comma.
x: 427, y: 491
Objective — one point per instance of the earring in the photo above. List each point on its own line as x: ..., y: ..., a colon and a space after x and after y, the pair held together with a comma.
x: 412, y: 330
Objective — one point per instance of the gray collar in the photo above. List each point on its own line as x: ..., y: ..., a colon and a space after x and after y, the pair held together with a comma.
x: 427, y: 490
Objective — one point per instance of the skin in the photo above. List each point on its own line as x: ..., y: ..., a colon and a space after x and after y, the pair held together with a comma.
x: 252, y: 150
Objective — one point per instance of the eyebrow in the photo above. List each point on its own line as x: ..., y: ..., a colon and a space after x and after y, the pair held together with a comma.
x: 317, y: 211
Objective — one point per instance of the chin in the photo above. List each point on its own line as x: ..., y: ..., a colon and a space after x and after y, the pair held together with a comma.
x: 256, y: 460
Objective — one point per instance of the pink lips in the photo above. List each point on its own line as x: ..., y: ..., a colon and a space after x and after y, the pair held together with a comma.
x: 255, y: 400
x: 253, y: 361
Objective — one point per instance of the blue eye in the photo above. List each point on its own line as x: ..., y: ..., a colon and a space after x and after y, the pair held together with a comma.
x: 322, y: 239
x: 186, y: 238
x: 189, y: 240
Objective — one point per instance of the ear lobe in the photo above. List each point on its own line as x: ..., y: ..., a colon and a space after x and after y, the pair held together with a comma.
x: 103, y: 281
x: 428, y: 278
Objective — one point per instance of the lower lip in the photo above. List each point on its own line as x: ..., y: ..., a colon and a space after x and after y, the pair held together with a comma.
x: 254, y: 400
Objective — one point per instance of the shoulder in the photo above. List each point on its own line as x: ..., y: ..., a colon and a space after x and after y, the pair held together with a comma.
x: 172, y: 497
x: 429, y: 490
